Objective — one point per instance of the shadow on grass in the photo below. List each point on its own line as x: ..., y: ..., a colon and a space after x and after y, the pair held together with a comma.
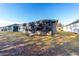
x: 22, y: 49
x: 37, y: 47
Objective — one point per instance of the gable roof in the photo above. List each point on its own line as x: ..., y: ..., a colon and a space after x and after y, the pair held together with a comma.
x: 77, y: 21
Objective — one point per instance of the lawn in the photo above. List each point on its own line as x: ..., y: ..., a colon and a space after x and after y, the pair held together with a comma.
x: 17, y: 43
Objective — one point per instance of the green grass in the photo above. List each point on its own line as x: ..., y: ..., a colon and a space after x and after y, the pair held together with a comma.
x: 65, y: 33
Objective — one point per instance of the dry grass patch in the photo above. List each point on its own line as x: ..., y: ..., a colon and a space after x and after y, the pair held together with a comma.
x: 35, y: 43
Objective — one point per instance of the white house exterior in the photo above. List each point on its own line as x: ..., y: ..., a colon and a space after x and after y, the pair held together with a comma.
x: 10, y: 28
x: 72, y: 27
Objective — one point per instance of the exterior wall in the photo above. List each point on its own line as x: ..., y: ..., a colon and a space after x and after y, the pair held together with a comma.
x: 21, y: 28
x: 11, y: 28
x: 1, y: 29
x: 72, y: 28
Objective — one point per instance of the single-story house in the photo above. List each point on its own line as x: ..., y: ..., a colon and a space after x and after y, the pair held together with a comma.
x: 10, y: 28
x: 72, y: 27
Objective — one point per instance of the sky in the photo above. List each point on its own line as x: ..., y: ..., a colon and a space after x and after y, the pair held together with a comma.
x: 11, y: 13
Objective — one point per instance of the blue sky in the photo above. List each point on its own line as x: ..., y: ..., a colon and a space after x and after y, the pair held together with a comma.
x: 27, y: 12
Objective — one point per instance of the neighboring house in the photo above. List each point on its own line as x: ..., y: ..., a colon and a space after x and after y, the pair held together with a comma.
x: 1, y: 28
x: 21, y: 28
x: 72, y: 27
x: 10, y: 28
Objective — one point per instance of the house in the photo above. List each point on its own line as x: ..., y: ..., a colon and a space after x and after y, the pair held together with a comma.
x: 10, y: 28
x: 72, y: 27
